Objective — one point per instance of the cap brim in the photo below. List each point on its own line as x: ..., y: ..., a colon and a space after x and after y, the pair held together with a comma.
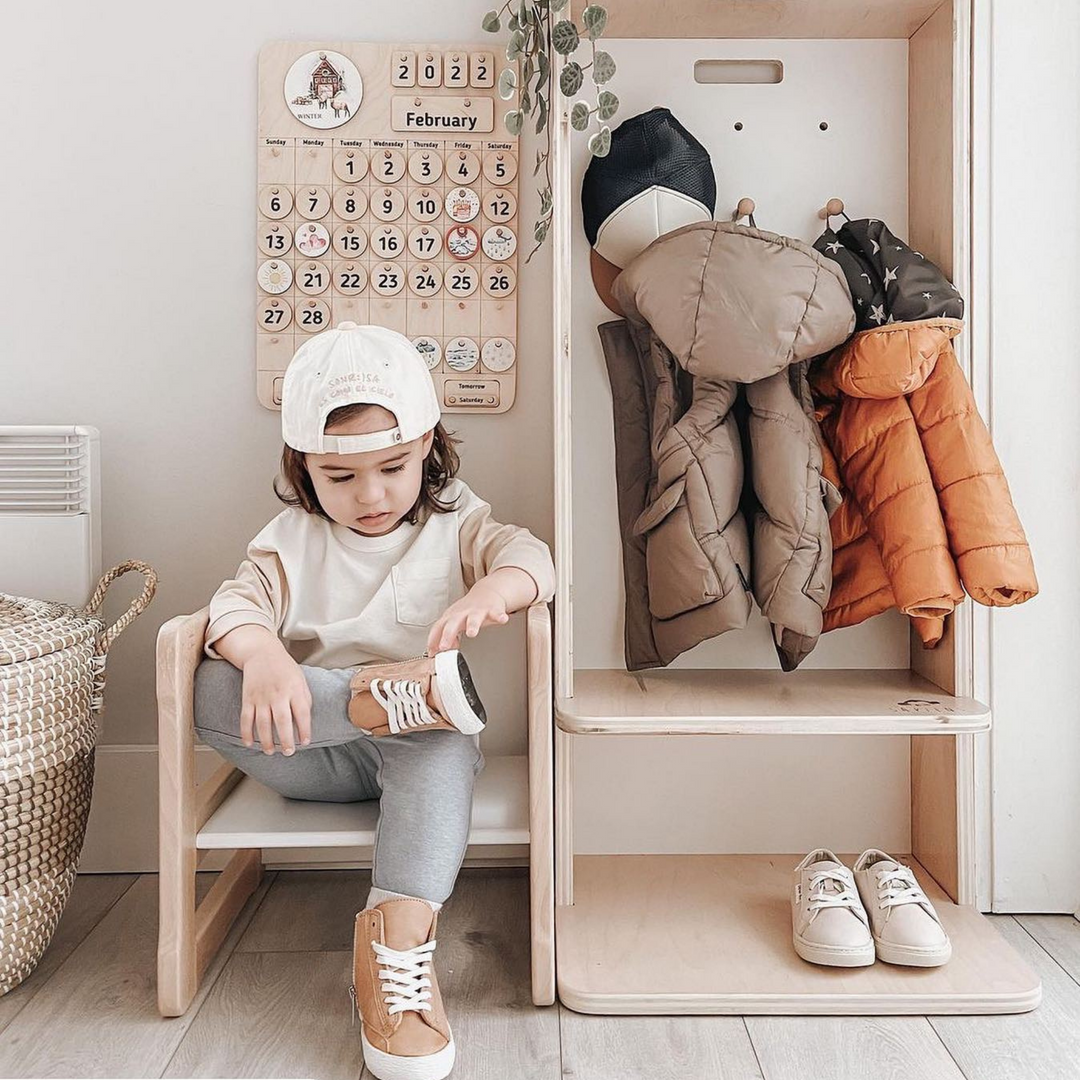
x: 603, y: 274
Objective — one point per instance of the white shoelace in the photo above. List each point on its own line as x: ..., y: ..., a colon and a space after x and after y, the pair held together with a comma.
x: 821, y: 896
x: 404, y: 977
x: 899, y: 887
x: 403, y: 701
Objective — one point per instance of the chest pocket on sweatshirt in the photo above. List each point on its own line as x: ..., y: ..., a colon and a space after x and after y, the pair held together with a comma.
x: 421, y: 590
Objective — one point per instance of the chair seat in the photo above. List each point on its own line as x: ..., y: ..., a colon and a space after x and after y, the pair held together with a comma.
x: 254, y: 816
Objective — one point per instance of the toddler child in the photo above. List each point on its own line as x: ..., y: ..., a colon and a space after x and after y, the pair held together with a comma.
x: 337, y: 643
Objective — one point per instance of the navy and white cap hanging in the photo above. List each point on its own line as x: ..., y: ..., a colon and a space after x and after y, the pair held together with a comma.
x: 656, y: 177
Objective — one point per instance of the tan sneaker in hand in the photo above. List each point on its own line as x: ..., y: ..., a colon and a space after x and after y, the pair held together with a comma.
x: 905, y: 925
x: 415, y: 695
x: 829, y: 924
x: 403, y: 1027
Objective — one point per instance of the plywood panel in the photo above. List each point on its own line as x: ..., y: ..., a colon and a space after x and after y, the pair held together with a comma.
x: 622, y: 947
x: 774, y: 19
x: 752, y: 702
x: 934, y: 836
x: 930, y: 140
x: 861, y: 157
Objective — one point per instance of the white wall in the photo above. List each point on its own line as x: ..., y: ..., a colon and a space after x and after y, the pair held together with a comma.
x: 1035, y: 414
x: 129, y: 300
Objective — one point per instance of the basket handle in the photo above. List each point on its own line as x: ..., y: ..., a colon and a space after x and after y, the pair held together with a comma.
x: 137, y: 607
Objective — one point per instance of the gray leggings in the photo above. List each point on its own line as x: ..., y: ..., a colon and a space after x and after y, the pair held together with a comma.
x: 423, y: 779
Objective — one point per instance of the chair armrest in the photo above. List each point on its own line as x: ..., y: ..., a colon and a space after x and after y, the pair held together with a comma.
x: 179, y: 653
x: 538, y: 662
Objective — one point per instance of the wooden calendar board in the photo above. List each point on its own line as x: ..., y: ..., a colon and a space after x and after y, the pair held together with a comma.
x: 387, y: 194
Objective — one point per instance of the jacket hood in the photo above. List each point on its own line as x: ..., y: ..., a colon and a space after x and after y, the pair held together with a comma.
x: 731, y: 302
x: 886, y: 362
x: 889, y: 282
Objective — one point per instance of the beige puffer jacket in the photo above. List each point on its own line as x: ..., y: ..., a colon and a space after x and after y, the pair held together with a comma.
x: 740, y: 311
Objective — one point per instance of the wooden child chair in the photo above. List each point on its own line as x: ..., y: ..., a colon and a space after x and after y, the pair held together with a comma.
x: 512, y: 804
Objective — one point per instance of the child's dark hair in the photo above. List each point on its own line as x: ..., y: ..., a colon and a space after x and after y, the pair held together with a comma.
x: 440, y: 465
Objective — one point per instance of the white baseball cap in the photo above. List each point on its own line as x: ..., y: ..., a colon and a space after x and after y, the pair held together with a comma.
x: 348, y: 365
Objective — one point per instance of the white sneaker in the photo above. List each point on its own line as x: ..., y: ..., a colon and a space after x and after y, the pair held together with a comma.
x: 905, y: 925
x: 829, y: 924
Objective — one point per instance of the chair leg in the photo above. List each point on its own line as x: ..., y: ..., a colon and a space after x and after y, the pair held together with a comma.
x: 177, y: 976
x: 179, y: 647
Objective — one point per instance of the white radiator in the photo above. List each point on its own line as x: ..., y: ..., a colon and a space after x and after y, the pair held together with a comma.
x: 50, y: 512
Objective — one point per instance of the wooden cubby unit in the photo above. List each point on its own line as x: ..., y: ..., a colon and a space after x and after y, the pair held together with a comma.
x: 710, y: 933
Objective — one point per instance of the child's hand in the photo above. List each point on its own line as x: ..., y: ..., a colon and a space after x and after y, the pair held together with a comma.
x: 483, y: 605
x: 275, y: 695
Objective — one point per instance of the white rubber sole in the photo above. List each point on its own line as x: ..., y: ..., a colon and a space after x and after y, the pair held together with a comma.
x: 834, y: 955
x: 458, y: 709
x: 395, y: 1067
x: 913, y: 955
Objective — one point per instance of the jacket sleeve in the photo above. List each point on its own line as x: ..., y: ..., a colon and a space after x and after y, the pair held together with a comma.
x: 257, y: 595
x: 487, y: 545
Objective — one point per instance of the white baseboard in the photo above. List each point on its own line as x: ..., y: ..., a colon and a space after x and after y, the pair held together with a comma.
x: 122, y: 835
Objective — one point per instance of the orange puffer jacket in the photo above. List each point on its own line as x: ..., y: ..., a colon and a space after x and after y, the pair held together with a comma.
x: 927, y: 507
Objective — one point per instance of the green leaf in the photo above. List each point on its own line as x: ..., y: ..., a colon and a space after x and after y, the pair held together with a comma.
x: 571, y: 78
x: 540, y: 230
x: 544, y: 64
x: 527, y: 71
x: 603, y: 67
x: 541, y: 120
x: 523, y: 13
x: 564, y: 37
x: 579, y: 116
x: 514, y: 45
x: 526, y: 102
x: 607, y: 105
x: 558, y: 5
x: 491, y: 22
x: 513, y: 23
x: 594, y: 19
x: 507, y: 83
x: 540, y: 159
x: 513, y: 121
x: 545, y: 202
x: 600, y: 142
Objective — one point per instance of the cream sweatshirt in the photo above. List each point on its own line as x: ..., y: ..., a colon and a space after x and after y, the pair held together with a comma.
x: 338, y: 599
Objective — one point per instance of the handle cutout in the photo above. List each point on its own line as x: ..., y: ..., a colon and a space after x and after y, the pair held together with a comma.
x: 738, y: 71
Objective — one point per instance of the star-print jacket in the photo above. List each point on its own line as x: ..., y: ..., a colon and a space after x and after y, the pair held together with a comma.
x: 927, y: 511
x: 718, y: 461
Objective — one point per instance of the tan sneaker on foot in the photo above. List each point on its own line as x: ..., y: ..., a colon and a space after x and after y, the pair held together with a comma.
x: 412, y: 695
x: 403, y: 1027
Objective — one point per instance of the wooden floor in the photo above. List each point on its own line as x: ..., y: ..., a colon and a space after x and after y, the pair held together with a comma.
x: 274, y: 1004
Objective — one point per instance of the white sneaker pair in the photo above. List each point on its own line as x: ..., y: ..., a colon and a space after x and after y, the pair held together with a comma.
x: 846, y: 919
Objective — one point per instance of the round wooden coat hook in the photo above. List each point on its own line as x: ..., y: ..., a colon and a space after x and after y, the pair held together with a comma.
x: 745, y: 209
x: 831, y: 209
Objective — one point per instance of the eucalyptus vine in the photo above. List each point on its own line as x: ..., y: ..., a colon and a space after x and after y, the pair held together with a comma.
x: 535, y: 33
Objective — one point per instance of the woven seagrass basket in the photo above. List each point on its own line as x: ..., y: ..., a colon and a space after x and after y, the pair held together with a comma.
x: 52, y: 684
